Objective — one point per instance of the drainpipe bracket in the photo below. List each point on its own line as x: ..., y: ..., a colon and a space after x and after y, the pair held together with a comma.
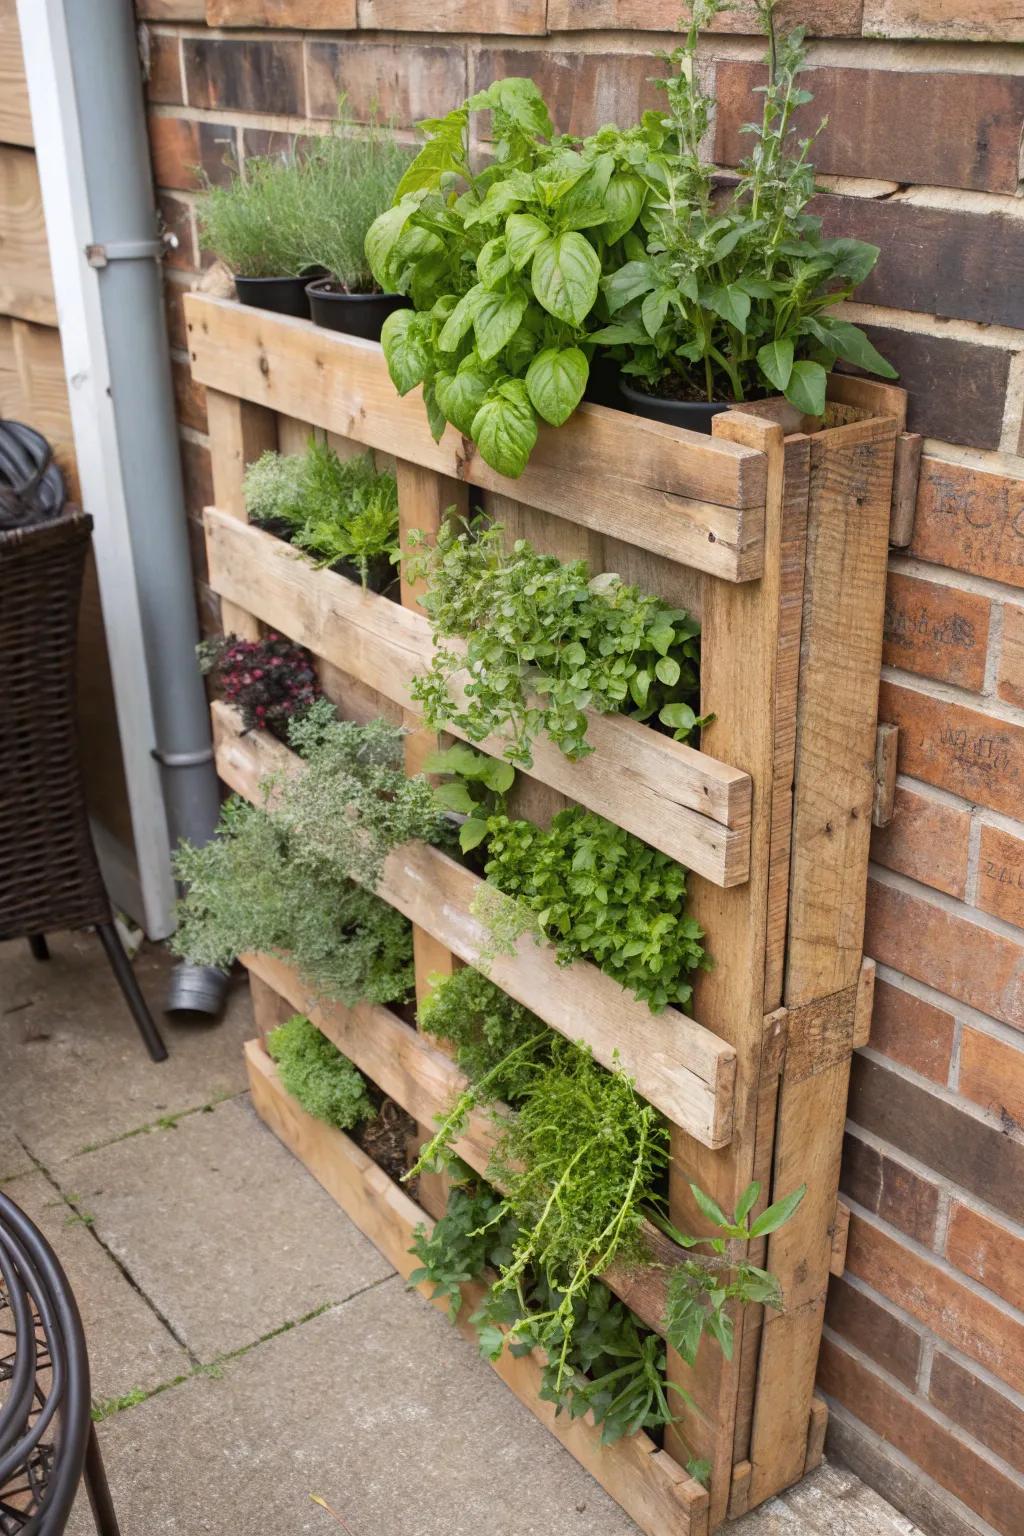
x: 183, y: 759
x: 126, y: 250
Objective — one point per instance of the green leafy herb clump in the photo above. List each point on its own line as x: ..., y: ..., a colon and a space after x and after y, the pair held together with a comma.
x: 341, y: 512
x: 503, y: 266
x: 256, y: 224
x: 597, y: 893
x: 245, y: 891
x: 353, y: 172
x: 486, y: 1027
x: 546, y: 641
x: 315, y: 1072
x: 732, y: 297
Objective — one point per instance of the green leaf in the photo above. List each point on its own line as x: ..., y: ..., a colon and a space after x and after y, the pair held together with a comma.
x: 555, y: 382
x: 458, y: 758
x: 505, y: 428
x: 460, y: 395
x: 500, y: 199
x: 806, y: 388
x: 654, y: 309
x: 444, y: 152
x: 772, y: 1219
x: 521, y: 102
x: 405, y: 349
x: 497, y: 775
x: 472, y: 834
x: 435, y: 416
x: 493, y: 263
x: 731, y: 302
x: 666, y: 668
x: 680, y: 717
x: 746, y: 1202
x: 496, y: 320
x: 622, y: 333
x: 382, y: 238
x: 850, y: 342
x: 454, y: 797
x: 524, y: 232
x: 624, y: 200
x: 628, y: 283
x: 775, y: 360
x: 852, y: 259
x: 461, y: 318
x: 565, y: 275
x: 708, y: 1207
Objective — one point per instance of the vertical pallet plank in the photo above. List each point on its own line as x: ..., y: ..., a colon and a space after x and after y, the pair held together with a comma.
x: 423, y: 499
x: 743, y: 698
x: 239, y: 433
x: 841, y: 651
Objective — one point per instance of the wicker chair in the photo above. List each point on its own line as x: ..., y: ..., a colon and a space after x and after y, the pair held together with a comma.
x: 49, y: 875
x: 47, y: 1438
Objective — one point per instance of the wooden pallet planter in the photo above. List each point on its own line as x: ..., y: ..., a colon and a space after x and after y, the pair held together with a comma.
x: 773, y: 532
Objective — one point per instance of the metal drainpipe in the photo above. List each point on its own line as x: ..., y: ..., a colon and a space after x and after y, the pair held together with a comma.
x: 127, y: 251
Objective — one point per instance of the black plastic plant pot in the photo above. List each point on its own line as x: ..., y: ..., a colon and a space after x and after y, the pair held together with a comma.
x: 357, y: 314
x: 695, y: 415
x: 280, y: 527
x: 603, y: 383
x: 381, y: 575
x: 283, y: 295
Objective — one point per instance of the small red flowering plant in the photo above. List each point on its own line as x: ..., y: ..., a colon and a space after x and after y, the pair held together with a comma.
x: 270, y: 681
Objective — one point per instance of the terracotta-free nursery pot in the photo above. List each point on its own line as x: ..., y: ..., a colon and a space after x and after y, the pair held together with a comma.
x: 695, y: 415
x: 283, y: 295
x: 357, y: 314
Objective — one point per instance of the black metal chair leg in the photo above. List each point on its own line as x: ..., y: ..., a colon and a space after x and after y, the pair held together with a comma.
x: 98, y: 1489
x: 39, y: 947
x: 122, y: 970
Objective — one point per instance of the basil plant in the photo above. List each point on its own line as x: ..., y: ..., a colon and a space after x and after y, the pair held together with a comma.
x: 504, y: 265
x: 732, y: 297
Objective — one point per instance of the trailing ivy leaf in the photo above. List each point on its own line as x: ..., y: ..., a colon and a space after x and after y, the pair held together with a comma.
x: 493, y: 263
x: 505, y: 428
x: 776, y: 361
x: 496, y: 320
x: 405, y: 350
x: 773, y: 1218
x: 806, y: 388
x: 565, y: 275
x: 850, y: 342
x: 555, y: 381
x: 524, y: 232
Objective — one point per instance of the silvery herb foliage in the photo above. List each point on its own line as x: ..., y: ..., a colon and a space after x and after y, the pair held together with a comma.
x: 503, y: 265
x: 732, y: 297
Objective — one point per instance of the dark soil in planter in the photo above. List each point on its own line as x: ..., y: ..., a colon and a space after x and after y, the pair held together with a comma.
x: 382, y: 576
x: 282, y: 295
x: 280, y: 527
x: 357, y: 314
x: 695, y: 415
x: 387, y: 1139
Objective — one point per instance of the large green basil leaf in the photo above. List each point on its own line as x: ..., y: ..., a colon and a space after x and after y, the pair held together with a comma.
x: 505, y: 428
x: 850, y: 342
x: 460, y: 395
x: 654, y: 309
x: 500, y: 199
x: 851, y: 259
x: 521, y: 102
x: 445, y: 151
x: 806, y: 388
x: 775, y: 360
x: 461, y: 318
x: 628, y: 283
x: 524, y: 232
x: 624, y: 201
x: 585, y: 205
x: 405, y: 350
x: 382, y: 238
x: 493, y: 264
x: 731, y: 302
x: 496, y: 321
x: 555, y: 382
x: 435, y: 415
x: 565, y: 275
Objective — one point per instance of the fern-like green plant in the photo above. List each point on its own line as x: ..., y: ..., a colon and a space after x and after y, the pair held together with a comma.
x: 318, y: 1075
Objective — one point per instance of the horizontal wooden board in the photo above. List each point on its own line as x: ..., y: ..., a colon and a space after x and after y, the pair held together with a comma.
x: 691, y: 806
x: 680, y: 1067
x: 697, y: 500
x: 654, y: 1490
x: 425, y: 1081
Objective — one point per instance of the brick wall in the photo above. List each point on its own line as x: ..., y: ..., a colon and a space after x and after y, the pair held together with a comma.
x: 924, y: 1353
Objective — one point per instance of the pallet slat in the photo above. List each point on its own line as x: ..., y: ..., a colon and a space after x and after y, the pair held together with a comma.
x: 682, y: 801
x: 680, y: 1067
x: 676, y: 493
x: 656, y: 1493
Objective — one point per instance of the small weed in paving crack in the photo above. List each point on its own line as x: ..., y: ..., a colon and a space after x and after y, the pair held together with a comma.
x: 167, y: 1122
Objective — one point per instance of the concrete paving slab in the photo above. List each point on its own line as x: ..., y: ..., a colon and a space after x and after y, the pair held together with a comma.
x: 222, y: 1228
x: 129, y: 1347
x: 76, y: 1072
x: 377, y: 1406
x: 13, y: 1157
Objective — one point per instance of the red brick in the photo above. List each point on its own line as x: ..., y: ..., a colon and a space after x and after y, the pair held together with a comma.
x: 974, y: 1326
x: 886, y: 1188
x: 992, y: 1075
x: 822, y: 18
x: 992, y: 21
x: 176, y: 217
x: 1010, y: 679
x: 948, y: 952
x: 938, y: 1133
x: 583, y: 91
x: 939, y: 261
x: 177, y: 331
x: 871, y: 1329
x: 970, y: 520
x: 264, y: 75
x: 963, y: 750
x: 968, y: 1474
x: 982, y: 1410
x: 189, y: 397
x: 281, y: 13
x: 956, y: 388
x: 1001, y: 875
x: 926, y: 840
x: 521, y: 17
x: 387, y: 80
x: 911, y: 1031
x: 195, y: 463
x: 890, y: 125
x: 163, y: 76
x: 990, y: 1254
x: 170, y: 10
x: 936, y: 630
x: 267, y: 143
x: 184, y: 151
